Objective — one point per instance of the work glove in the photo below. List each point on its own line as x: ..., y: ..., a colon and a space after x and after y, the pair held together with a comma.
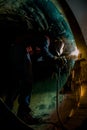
x: 60, y: 61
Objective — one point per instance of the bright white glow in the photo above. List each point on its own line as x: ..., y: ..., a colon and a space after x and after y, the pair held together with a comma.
x: 61, y: 50
x: 75, y: 52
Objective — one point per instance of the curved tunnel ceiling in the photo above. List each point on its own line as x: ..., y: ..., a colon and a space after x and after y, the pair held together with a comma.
x: 76, y: 28
x: 19, y: 17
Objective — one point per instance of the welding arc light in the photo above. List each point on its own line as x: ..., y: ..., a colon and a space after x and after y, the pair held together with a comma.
x: 75, y: 52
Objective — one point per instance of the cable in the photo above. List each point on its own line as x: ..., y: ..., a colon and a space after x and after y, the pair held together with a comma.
x: 57, y: 100
x: 59, y: 123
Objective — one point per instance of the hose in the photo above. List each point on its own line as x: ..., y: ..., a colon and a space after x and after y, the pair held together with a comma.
x: 59, y: 122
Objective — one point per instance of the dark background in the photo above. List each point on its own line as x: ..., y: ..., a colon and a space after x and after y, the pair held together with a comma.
x: 79, y: 8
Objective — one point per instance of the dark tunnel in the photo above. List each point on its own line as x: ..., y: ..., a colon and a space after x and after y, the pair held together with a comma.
x: 23, y: 24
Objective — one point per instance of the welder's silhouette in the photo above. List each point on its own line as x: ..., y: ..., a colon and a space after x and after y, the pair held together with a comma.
x: 20, y: 72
